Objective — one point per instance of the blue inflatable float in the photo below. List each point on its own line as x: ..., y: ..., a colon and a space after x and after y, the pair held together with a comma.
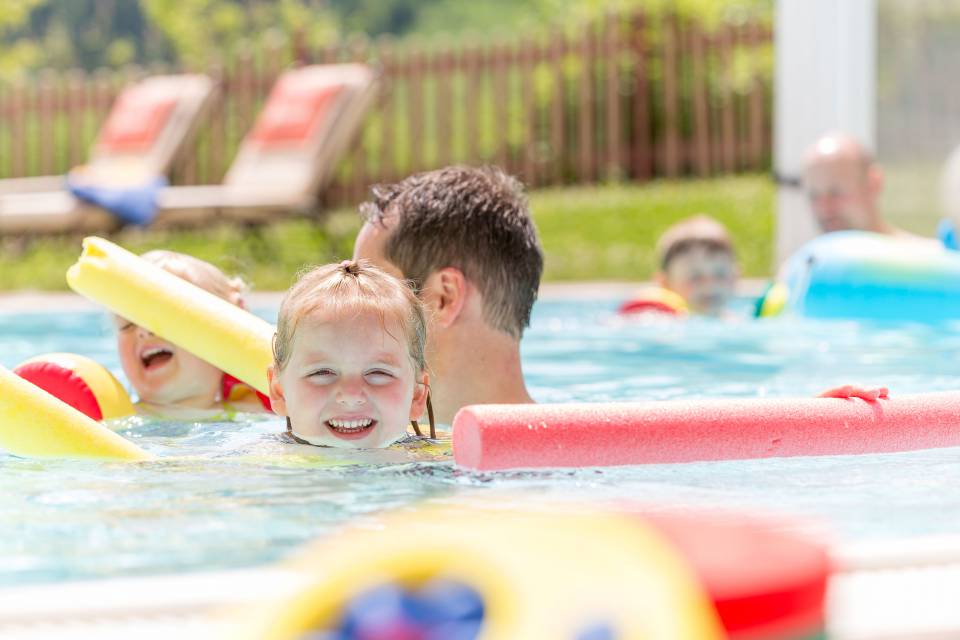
x: 868, y: 276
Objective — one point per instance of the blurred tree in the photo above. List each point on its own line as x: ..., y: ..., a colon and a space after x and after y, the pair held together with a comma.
x: 17, y: 52
x: 200, y: 30
x: 94, y: 33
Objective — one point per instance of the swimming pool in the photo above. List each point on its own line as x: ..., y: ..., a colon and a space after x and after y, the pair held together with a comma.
x: 210, y: 509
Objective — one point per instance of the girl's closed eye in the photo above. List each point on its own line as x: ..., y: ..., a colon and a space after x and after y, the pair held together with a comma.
x: 322, y: 375
x: 379, y: 376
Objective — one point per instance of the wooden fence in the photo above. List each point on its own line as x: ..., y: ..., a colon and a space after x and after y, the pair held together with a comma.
x: 630, y: 97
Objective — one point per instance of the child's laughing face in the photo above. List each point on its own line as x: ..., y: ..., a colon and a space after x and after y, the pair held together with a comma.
x: 162, y: 373
x: 349, y: 382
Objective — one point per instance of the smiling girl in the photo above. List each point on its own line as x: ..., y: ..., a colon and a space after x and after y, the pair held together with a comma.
x: 349, y: 367
x: 171, y: 381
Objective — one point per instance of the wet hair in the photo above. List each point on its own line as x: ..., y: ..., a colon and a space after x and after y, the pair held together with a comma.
x: 201, y: 273
x: 476, y: 220
x: 694, y: 232
x: 351, y: 287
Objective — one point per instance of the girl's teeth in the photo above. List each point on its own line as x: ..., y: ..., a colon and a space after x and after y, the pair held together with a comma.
x: 350, y: 424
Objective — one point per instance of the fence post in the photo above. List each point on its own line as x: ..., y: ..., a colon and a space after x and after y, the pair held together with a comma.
x: 444, y: 73
x: 671, y: 102
x: 756, y: 111
x: 614, y: 130
x: 642, y: 156
x: 501, y: 98
x: 728, y: 123
x: 558, y: 105
x: 585, y: 115
x: 76, y: 116
x: 415, y: 73
x: 470, y: 63
x: 701, y: 119
x: 529, y: 120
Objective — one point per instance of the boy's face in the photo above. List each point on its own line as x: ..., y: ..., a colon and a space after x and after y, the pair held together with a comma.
x: 349, y: 382
x: 704, y: 277
x: 162, y: 373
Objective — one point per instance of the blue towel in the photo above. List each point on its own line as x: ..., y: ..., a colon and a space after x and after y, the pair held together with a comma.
x: 133, y: 204
x: 947, y: 233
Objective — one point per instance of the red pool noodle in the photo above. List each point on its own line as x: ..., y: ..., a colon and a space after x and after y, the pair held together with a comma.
x: 490, y: 437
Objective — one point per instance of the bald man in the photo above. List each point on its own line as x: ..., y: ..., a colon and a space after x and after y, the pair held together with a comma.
x: 843, y: 184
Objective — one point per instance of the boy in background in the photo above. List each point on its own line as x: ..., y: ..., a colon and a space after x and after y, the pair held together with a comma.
x: 697, y: 261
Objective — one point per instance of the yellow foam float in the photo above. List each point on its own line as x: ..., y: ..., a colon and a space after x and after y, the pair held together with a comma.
x: 209, y: 327
x: 35, y: 424
x: 545, y: 575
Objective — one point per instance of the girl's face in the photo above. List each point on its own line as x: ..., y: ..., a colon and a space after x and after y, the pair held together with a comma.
x: 164, y: 374
x: 349, y: 382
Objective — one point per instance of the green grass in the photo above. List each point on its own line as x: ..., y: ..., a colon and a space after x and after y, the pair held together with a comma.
x: 588, y: 233
x: 609, y: 233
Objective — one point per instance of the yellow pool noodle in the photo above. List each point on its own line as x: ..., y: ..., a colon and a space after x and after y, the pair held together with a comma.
x: 226, y: 336
x: 35, y: 424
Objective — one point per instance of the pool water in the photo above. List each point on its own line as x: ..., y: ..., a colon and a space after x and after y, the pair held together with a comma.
x: 219, y: 500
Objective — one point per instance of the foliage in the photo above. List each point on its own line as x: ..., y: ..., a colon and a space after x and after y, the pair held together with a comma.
x: 198, y: 28
x: 588, y: 233
x: 92, y: 33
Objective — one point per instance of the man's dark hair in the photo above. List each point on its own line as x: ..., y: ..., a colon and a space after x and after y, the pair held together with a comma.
x: 473, y: 219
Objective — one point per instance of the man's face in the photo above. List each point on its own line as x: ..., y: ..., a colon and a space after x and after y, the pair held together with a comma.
x: 840, y: 193
x: 371, y: 245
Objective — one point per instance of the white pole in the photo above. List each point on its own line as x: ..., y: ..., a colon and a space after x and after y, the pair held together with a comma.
x: 825, y: 80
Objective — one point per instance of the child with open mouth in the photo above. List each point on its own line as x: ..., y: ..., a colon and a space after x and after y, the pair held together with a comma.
x: 170, y: 381
x: 349, y: 367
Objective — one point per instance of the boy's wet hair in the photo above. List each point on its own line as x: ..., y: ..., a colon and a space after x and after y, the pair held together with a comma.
x: 698, y: 231
x: 474, y: 219
x: 199, y: 272
x: 350, y: 288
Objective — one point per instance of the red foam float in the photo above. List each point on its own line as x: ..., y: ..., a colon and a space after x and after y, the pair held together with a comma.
x: 80, y: 382
x: 490, y: 437
x: 765, y: 582
x: 654, y: 300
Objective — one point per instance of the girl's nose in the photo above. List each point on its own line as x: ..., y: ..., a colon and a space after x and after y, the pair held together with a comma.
x: 351, y: 393
x: 143, y: 333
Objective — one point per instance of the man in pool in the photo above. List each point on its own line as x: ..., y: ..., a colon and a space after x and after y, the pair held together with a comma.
x: 464, y: 237
x: 843, y: 184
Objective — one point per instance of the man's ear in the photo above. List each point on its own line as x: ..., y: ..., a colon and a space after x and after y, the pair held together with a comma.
x: 420, y: 392
x: 277, y: 400
x: 445, y: 294
x: 661, y: 279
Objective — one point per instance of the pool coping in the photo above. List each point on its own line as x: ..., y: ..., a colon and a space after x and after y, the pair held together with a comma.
x: 27, y: 300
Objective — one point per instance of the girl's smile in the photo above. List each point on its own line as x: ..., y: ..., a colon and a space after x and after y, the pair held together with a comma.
x: 349, y: 382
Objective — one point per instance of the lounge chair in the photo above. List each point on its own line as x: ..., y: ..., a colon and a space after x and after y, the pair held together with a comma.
x: 309, y: 119
x: 148, y: 127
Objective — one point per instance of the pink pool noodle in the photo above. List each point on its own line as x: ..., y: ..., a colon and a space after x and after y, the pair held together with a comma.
x: 489, y: 437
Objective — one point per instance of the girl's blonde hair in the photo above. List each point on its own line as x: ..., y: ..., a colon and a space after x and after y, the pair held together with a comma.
x: 201, y: 273
x: 351, y: 287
